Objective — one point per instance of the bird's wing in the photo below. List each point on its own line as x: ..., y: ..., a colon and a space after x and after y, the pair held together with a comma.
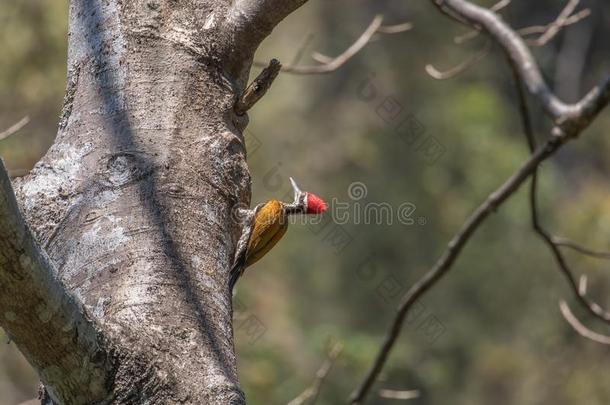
x: 266, y: 241
x: 242, y: 244
x: 267, y: 223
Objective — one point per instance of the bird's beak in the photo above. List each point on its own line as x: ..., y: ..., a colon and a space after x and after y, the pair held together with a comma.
x: 296, y: 189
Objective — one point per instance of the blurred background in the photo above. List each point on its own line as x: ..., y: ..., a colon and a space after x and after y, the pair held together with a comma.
x: 381, y: 131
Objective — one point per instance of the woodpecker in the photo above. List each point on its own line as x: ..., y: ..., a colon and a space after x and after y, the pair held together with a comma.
x: 265, y: 225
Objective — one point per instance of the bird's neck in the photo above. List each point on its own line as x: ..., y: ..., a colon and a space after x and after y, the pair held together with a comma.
x: 290, y: 209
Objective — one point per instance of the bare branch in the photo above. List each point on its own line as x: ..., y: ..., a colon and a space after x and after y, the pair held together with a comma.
x: 311, y: 393
x: 554, y: 27
x: 579, y: 248
x: 581, y: 329
x: 474, y: 33
x: 570, y: 120
x: 14, y: 128
x: 456, y: 70
x: 535, y: 29
x: 301, y: 50
x: 569, y: 117
x: 257, y: 89
x: 399, y: 395
x: 327, y: 64
x: 340, y: 60
x: 542, y: 29
x: 451, y: 253
x: 467, y: 36
x: 592, y: 307
x: 582, y: 286
x: 395, y: 29
x: 500, y: 5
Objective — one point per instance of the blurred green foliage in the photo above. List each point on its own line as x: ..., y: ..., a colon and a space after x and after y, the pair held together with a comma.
x: 491, y: 332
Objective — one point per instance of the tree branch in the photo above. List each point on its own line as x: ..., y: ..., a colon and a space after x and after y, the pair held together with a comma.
x: 327, y: 64
x: 14, y: 128
x: 49, y: 326
x: 575, y: 323
x: 461, y: 67
x: 454, y: 248
x: 570, y: 120
x: 262, y: 15
x: 553, y: 28
x: 399, y: 395
x: 581, y: 329
x: 547, y: 33
x: 580, y: 249
x: 593, y: 308
x: 311, y: 393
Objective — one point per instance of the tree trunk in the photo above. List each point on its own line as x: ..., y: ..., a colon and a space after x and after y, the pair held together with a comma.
x: 133, y: 202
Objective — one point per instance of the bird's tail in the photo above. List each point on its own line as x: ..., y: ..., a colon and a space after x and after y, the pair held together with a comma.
x: 236, y: 272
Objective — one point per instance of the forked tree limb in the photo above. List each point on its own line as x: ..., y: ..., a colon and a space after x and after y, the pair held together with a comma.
x: 49, y: 325
x: 134, y: 220
x: 569, y: 117
x: 570, y: 120
x: 593, y: 308
x: 547, y: 33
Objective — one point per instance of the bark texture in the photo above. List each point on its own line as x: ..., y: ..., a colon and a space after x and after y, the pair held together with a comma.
x: 133, y: 202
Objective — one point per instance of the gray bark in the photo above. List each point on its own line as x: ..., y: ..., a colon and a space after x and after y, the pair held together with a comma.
x: 132, y: 205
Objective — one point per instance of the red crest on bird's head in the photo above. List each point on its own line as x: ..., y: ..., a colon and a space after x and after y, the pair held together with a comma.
x: 315, y: 205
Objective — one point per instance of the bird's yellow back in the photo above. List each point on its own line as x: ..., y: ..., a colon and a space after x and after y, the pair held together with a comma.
x: 270, y: 224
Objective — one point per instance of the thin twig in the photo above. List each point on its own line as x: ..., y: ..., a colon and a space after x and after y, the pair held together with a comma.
x: 582, y: 286
x: 465, y: 37
x: 581, y: 249
x: 395, y: 29
x: 549, y: 31
x: 500, y: 5
x: 14, y: 128
x: 541, y: 29
x: 472, y: 34
x: 301, y: 50
x: 312, y: 392
x: 259, y: 86
x: 581, y: 329
x: 463, y: 66
x: 327, y: 64
x: 555, y: 26
x: 340, y: 60
x: 399, y: 395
